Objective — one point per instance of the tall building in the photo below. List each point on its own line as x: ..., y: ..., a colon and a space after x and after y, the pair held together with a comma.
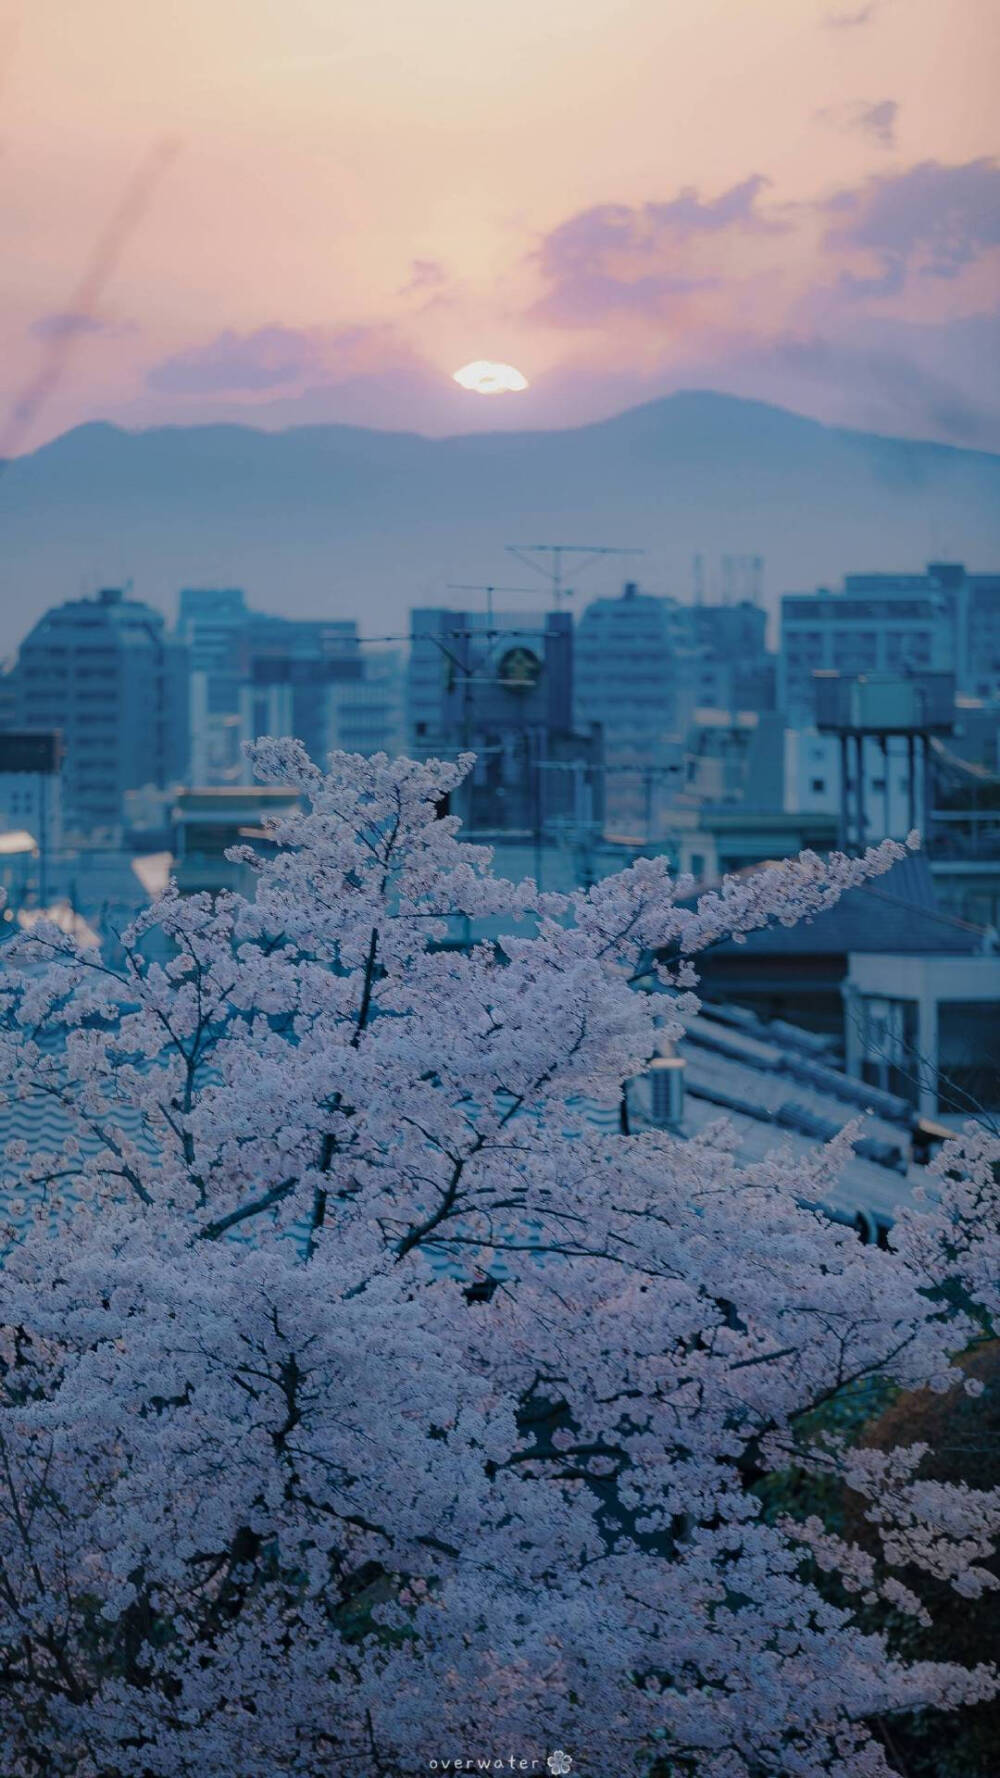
x: 212, y: 621
x: 645, y: 664
x: 979, y: 637
x: 293, y: 672
x: 107, y: 675
x: 944, y: 620
x: 367, y: 715
x: 254, y: 673
x: 733, y: 669
x: 632, y: 665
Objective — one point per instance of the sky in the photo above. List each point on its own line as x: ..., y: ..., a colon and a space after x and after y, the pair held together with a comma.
x: 298, y: 211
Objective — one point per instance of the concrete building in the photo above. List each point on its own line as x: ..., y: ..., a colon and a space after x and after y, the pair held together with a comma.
x: 926, y: 1027
x: 944, y: 620
x: 107, y: 675
x: 367, y: 715
x: 631, y: 667
x: 8, y: 693
x: 648, y: 669
x: 291, y: 692
x: 207, y: 822
x: 31, y: 801
x: 255, y: 673
x: 19, y: 876
x: 813, y: 781
x: 979, y: 636
x: 719, y: 840
x: 879, y: 623
x: 633, y: 674
x: 798, y: 972
x: 501, y: 686
x: 213, y: 621
x: 732, y: 669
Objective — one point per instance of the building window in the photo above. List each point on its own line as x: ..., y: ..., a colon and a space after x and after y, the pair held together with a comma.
x: 817, y: 786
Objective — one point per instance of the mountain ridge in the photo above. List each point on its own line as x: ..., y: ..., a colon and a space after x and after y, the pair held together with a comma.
x: 676, y: 401
x: 345, y: 520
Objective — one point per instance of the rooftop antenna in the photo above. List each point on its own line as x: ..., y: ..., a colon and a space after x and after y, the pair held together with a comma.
x: 588, y: 554
x: 698, y: 578
x: 757, y: 580
x: 475, y: 586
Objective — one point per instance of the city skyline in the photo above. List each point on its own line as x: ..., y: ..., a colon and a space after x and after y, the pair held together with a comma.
x: 287, y: 216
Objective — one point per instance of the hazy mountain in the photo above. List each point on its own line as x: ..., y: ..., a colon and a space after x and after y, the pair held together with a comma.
x: 347, y: 521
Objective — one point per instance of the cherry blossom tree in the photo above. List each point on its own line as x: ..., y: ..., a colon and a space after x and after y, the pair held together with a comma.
x: 367, y: 1404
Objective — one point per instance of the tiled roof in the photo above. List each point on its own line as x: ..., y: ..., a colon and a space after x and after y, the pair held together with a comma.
x: 772, y: 1083
x: 896, y: 913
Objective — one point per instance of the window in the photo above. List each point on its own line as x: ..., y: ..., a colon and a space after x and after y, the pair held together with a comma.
x: 817, y: 786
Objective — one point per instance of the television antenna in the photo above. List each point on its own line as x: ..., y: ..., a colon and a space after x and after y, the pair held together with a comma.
x: 468, y: 586
x: 554, y: 569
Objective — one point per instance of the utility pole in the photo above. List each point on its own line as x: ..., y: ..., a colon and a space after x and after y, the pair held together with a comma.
x: 553, y: 570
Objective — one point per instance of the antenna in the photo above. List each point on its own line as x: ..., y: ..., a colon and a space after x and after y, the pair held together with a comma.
x: 475, y: 586
x: 727, y: 580
x: 588, y: 553
x: 698, y: 578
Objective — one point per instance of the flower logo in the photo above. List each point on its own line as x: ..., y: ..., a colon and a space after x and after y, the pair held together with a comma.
x: 559, y: 1763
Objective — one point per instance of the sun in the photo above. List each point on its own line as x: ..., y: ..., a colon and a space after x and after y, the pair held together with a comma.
x: 484, y: 378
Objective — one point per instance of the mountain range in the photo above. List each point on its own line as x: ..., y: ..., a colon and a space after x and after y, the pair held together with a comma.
x: 344, y: 521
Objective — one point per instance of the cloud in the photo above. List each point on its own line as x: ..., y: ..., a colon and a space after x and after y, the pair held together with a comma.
x: 276, y: 359
x: 425, y: 274
x: 587, y: 300
x: 269, y: 358
x: 65, y: 325
x: 850, y: 21
x: 932, y: 220
x: 581, y: 243
x: 615, y: 259
x: 878, y: 121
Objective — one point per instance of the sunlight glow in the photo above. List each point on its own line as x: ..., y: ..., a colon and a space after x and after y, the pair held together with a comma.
x: 484, y: 378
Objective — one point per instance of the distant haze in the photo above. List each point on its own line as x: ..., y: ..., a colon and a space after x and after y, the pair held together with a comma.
x: 346, y: 522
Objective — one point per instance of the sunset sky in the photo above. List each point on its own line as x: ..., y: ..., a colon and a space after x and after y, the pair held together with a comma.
x: 325, y: 207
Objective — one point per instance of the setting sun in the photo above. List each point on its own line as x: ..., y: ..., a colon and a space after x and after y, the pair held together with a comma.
x: 484, y: 378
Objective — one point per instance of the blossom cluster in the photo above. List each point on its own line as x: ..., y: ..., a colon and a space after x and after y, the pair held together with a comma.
x: 355, y: 1389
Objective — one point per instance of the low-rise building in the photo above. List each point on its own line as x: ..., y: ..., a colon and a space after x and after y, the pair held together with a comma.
x: 207, y: 822
x: 926, y: 1027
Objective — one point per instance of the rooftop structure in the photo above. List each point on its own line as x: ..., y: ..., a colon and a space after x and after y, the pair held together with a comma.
x: 501, y: 686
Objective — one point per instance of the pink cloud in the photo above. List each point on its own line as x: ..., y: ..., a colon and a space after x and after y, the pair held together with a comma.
x: 931, y: 219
